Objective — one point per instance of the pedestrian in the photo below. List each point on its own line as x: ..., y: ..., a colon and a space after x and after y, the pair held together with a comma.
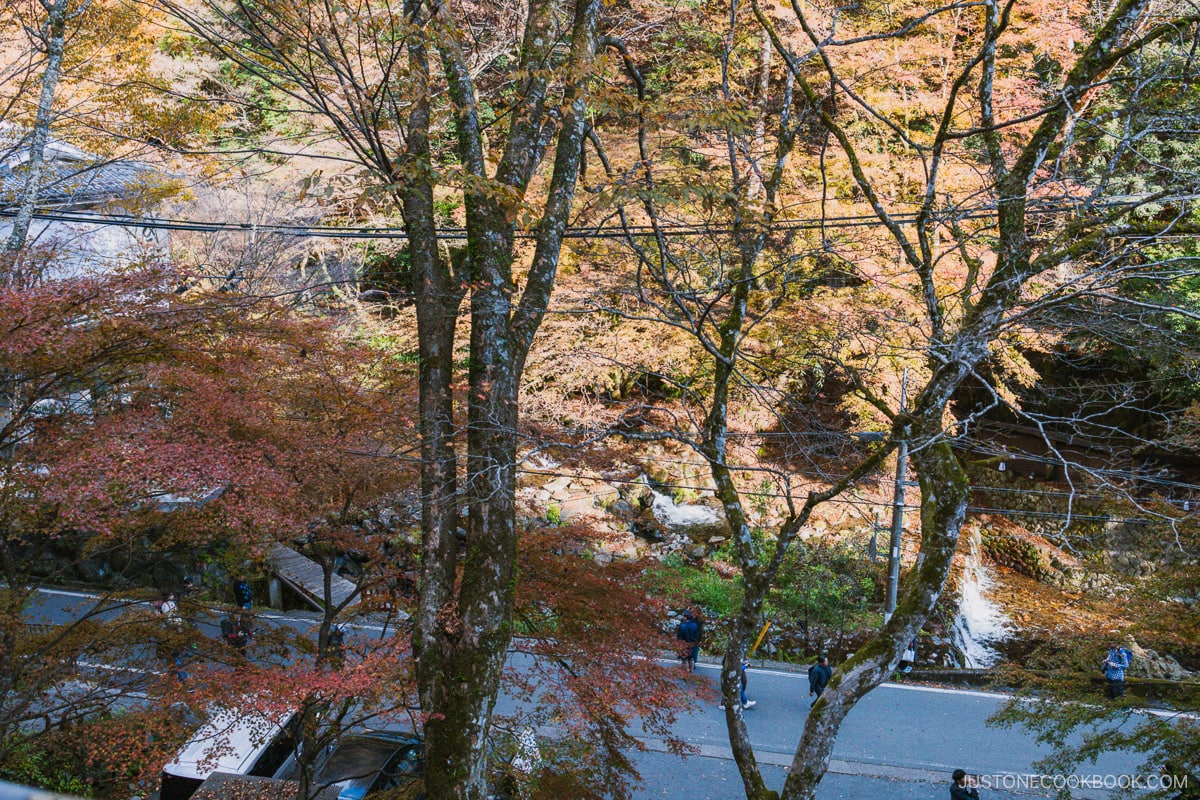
x: 1113, y: 667
x: 169, y: 610
x: 337, y: 646
x: 742, y: 686
x: 177, y: 668
x: 909, y: 657
x: 235, y: 632
x: 818, y: 677
x: 689, y: 632
x: 961, y: 789
x: 241, y: 593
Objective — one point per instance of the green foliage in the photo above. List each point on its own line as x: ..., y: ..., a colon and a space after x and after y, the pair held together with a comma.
x: 702, y: 586
x: 554, y: 514
x: 824, y: 588
x: 386, y: 269
x: 49, y: 768
x: 444, y: 208
x: 1080, y: 732
x: 1139, y: 141
x: 262, y: 105
x: 681, y: 51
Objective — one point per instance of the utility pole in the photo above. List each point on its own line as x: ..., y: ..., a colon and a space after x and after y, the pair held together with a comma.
x: 873, y: 548
x: 897, y: 512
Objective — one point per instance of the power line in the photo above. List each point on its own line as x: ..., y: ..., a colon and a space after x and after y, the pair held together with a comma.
x: 973, y: 487
x: 957, y: 442
x: 574, y: 232
x: 443, y: 234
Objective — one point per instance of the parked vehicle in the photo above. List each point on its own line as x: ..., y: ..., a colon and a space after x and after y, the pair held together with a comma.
x: 232, y: 741
x: 362, y: 764
x: 359, y: 765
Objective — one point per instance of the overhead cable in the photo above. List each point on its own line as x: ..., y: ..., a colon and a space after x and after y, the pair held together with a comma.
x: 574, y: 232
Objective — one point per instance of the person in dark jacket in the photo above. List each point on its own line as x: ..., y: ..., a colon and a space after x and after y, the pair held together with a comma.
x: 959, y: 790
x: 235, y: 631
x: 689, y: 632
x: 242, y: 595
x: 337, y: 646
x: 818, y: 678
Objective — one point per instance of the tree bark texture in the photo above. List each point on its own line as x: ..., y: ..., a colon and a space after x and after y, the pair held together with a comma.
x: 951, y: 357
x: 53, y: 36
x: 944, y: 493
x: 465, y: 624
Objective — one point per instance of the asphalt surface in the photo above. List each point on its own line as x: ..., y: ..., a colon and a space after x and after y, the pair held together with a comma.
x: 900, y: 742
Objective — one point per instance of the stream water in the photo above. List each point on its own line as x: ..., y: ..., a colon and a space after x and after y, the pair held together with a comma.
x: 980, y: 622
x: 677, y: 516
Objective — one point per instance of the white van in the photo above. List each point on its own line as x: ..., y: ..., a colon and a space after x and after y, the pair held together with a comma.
x: 235, y: 742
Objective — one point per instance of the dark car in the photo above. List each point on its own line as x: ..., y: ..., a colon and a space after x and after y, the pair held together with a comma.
x: 362, y: 764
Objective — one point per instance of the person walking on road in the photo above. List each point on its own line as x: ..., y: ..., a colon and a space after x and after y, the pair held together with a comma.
x: 689, y: 632
x: 908, y: 658
x: 242, y: 595
x: 742, y: 687
x: 169, y: 610
x: 236, y: 632
x: 818, y: 677
x: 960, y: 789
x: 1114, y: 666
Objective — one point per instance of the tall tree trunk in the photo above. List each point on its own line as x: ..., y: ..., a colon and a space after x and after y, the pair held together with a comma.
x: 53, y: 36
x: 438, y: 297
x: 465, y: 628
x: 944, y: 493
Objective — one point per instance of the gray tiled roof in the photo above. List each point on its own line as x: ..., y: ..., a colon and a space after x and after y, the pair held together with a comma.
x: 70, y: 176
x: 77, y: 183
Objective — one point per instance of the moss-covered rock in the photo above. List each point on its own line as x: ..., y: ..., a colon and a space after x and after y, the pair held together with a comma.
x: 1031, y: 555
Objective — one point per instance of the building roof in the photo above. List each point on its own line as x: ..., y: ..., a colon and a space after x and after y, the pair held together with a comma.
x: 70, y: 176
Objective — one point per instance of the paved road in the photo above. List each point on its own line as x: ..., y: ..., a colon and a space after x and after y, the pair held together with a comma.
x: 900, y: 743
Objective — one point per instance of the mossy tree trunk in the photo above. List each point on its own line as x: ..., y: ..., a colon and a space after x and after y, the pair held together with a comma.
x: 464, y: 623
x: 959, y: 323
x: 395, y: 72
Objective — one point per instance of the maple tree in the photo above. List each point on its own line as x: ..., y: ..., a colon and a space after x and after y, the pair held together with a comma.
x: 966, y: 280
x: 144, y: 423
x: 367, y: 71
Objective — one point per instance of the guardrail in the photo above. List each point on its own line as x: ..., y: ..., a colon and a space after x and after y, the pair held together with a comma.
x: 40, y: 628
x: 1154, y: 690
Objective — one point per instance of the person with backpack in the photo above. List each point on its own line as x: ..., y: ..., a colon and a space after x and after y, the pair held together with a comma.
x: 235, y: 632
x: 1113, y: 667
x: 242, y: 595
x: 689, y: 632
x: 168, y: 609
x: 818, y: 677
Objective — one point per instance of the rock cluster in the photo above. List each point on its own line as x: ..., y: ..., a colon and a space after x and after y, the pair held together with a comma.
x: 1032, y: 555
x: 630, y: 519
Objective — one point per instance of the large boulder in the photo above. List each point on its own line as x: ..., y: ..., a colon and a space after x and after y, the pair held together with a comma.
x: 1148, y: 663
